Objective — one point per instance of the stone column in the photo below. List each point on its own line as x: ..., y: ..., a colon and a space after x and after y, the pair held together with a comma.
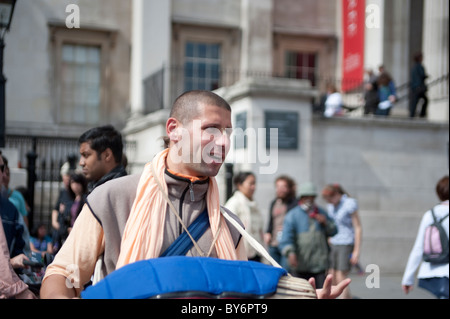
x: 435, y: 51
x: 150, y: 47
x: 150, y: 53
x: 256, y: 49
x: 136, y: 93
x: 374, y: 34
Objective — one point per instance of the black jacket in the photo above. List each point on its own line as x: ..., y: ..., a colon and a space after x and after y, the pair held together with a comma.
x: 291, y: 203
x: 116, y: 172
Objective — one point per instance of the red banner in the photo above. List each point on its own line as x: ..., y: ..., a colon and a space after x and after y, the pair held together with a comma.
x: 353, y: 25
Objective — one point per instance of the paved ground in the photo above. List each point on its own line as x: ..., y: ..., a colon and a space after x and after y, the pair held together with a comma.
x: 388, y: 287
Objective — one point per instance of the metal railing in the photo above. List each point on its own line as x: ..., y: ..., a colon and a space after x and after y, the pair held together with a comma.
x: 155, y: 99
x: 42, y: 157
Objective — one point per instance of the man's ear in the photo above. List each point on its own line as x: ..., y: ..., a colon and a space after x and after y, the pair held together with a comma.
x: 108, y: 155
x: 172, y: 129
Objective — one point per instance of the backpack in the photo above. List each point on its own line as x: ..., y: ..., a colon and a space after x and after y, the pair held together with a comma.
x: 435, y: 248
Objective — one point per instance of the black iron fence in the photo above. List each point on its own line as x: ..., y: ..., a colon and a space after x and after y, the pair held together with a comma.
x: 42, y: 157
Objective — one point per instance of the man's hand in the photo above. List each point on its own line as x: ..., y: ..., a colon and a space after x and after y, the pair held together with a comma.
x: 407, y: 289
x: 328, y: 291
x: 267, y: 238
x: 17, y: 262
x: 292, y: 260
x: 322, y: 219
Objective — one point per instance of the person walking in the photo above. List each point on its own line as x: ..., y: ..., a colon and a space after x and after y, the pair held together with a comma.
x: 13, y: 226
x: 418, y: 87
x: 243, y: 205
x: 17, y: 199
x: 432, y: 276
x: 78, y: 191
x: 387, y: 94
x: 305, y: 234
x: 60, y: 218
x: 346, y: 244
x: 333, y: 103
x: 285, y: 199
x: 371, y: 98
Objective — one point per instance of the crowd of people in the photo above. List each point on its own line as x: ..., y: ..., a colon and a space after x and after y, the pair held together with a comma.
x: 304, y: 238
x: 141, y: 216
x: 101, y: 159
x: 380, y: 93
x: 310, y: 241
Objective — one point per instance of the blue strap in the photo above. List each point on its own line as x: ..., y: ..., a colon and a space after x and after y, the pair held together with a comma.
x: 183, y: 243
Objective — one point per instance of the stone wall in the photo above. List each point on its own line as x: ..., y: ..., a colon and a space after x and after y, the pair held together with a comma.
x: 390, y: 165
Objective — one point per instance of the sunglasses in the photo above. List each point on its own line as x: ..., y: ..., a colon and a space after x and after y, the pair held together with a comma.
x: 2, y: 168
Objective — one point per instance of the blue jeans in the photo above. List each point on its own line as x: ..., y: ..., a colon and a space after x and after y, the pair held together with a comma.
x: 437, y: 286
x: 385, y: 112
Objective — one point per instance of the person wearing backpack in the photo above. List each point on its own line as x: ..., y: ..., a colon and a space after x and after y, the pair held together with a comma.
x: 432, y: 275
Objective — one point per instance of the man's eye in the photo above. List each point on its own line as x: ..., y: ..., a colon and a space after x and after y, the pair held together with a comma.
x: 214, y: 131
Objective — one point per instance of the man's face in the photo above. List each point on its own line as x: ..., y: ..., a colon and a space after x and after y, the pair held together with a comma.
x: 204, y: 141
x: 307, y: 200
x: 248, y: 187
x: 93, y: 167
x: 281, y: 189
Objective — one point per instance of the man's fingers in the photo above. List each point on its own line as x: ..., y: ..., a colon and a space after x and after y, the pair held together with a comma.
x: 331, y: 292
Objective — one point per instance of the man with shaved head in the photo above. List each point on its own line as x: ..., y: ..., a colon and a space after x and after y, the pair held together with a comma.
x: 117, y: 212
x: 138, y: 217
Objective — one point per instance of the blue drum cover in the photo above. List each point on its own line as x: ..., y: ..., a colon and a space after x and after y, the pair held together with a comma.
x: 182, y: 276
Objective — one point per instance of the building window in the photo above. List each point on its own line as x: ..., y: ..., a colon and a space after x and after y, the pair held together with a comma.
x: 202, y: 66
x: 301, y: 65
x: 81, y: 84
x: 83, y: 75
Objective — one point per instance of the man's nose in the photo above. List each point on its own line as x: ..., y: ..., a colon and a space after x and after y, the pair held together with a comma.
x: 223, y: 138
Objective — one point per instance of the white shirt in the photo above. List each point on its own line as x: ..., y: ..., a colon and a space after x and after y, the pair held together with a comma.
x: 333, y: 105
x: 250, y: 216
x: 426, y: 270
x: 342, y: 215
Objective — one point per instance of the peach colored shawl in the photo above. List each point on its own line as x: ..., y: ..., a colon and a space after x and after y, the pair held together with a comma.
x: 144, y: 231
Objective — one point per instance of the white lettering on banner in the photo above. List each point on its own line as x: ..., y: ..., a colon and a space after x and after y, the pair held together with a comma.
x: 352, y: 16
x: 352, y: 62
